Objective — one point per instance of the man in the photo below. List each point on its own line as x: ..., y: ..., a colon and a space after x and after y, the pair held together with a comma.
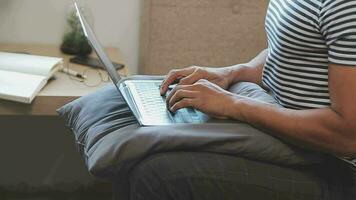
x: 309, y: 68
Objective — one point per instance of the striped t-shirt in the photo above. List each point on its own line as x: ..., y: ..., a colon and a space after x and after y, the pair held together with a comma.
x: 304, y: 36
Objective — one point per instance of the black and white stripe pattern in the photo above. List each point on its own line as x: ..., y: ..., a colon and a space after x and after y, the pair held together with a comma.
x: 304, y: 37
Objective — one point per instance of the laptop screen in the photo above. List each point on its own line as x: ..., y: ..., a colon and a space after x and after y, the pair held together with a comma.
x: 104, y: 58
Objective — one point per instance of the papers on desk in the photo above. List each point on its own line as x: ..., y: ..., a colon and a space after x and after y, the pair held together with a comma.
x: 23, y: 76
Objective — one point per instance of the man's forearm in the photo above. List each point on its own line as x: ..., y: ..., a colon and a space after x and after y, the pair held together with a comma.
x: 249, y: 72
x: 319, y: 129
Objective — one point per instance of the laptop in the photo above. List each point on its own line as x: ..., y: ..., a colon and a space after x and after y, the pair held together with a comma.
x: 142, y: 96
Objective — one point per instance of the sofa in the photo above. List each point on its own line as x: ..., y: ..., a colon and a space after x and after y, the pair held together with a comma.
x: 176, y: 34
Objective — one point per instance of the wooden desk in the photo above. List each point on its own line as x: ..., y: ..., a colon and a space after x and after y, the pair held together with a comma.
x: 59, y: 91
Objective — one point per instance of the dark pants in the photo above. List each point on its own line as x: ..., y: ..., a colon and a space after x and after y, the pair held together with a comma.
x: 188, y: 175
x: 185, y: 176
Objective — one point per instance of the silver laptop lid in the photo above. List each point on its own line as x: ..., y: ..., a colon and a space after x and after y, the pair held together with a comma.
x: 89, y: 34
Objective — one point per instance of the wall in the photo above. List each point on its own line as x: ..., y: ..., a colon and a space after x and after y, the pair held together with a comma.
x: 116, y: 23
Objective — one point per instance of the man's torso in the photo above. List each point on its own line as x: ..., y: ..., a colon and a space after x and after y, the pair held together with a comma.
x: 304, y: 37
x: 296, y: 70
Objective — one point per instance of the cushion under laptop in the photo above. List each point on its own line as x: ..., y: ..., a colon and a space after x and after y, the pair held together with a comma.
x: 112, y: 142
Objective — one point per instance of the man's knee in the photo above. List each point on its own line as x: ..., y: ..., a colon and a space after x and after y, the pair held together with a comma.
x: 148, y: 179
x: 177, y: 176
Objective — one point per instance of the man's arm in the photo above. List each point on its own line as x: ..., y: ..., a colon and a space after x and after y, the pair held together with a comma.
x: 223, y: 77
x: 330, y: 129
x: 251, y: 71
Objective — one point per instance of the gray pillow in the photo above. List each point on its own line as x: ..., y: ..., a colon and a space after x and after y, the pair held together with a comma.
x: 111, y: 141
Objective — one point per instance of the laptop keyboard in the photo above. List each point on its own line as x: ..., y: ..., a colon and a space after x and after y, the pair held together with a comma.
x: 155, y: 105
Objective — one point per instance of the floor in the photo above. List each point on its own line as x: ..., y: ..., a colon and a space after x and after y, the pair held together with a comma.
x: 39, y: 161
x: 98, y: 191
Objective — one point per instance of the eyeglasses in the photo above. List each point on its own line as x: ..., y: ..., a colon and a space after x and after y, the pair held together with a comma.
x: 95, y: 77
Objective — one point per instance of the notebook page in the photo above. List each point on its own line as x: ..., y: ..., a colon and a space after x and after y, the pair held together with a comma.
x: 29, y: 64
x: 20, y: 87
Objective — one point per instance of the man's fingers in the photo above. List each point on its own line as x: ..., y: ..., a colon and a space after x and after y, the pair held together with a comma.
x: 191, y: 79
x: 177, y: 88
x: 184, y: 103
x: 181, y: 94
x: 170, y: 78
x: 173, y: 76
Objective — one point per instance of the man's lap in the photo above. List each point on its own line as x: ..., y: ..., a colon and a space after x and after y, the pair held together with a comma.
x: 214, y: 176
x: 236, y: 176
x: 188, y: 175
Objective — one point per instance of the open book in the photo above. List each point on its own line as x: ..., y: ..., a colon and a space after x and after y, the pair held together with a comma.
x: 22, y: 76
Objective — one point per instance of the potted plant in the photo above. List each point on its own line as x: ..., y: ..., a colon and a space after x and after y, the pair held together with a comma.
x: 74, y: 40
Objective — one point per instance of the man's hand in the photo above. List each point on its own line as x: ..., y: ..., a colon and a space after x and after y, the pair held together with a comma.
x: 188, y: 76
x: 204, y: 96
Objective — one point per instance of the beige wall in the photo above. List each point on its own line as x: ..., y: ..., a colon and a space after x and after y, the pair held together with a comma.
x: 116, y: 23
